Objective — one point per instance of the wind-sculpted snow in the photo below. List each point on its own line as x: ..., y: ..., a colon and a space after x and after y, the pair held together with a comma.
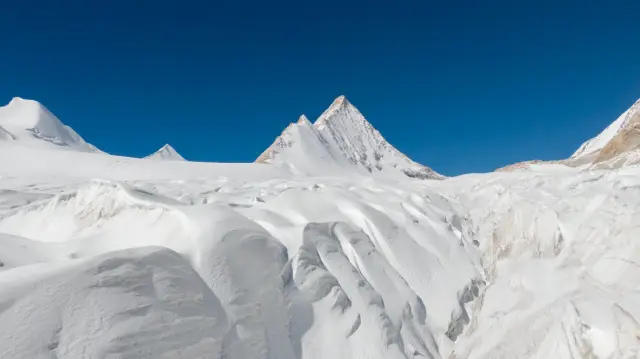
x: 284, y: 279
x: 136, y: 303
x: 505, y: 265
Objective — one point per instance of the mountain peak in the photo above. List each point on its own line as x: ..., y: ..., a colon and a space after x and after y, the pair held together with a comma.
x: 341, y: 138
x: 304, y: 120
x: 340, y: 108
x: 340, y: 101
x: 166, y: 153
x: 28, y: 121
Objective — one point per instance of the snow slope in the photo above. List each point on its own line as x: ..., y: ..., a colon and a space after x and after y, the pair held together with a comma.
x: 341, y: 139
x: 617, y: 146
x: 601, y: 140
x: 166, y: 153
x: 30, y: 123
x: 21, y: 161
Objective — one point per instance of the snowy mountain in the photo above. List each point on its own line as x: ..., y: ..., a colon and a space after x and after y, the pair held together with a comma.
x: 340, y: 139
x: 616, y: 146
x: 30, y: 123
x: 106, y: 256
x: 166, y: 153
x: 628, y: 119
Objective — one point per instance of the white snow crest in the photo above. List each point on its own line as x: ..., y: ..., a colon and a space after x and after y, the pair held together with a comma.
x: 166, y: 153
x: 31, y: 123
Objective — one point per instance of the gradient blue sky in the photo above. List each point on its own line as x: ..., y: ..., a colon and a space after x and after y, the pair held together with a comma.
x: 464, y: 87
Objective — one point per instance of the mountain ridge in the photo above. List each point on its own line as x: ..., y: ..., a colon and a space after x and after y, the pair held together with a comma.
x: 341, y: 133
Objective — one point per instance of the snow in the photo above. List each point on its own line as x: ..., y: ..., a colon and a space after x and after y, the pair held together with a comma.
x: 598, y: 142
x: 20, y: 161
x: 341, y: 139
x: 166, y: 153
x: 32, y: 124
x: 310, y: 255
x: 615, y: 147
x: 5, y: 135
x: 561, y: 263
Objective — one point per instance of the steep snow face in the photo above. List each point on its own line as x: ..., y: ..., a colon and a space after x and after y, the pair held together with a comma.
x: 341, y: 138
x: 617, y: 146
x: 302, y: 150
x: 600, y: 141
x: 30, y: 123
x: 349, y: 134
x: 166, y: 153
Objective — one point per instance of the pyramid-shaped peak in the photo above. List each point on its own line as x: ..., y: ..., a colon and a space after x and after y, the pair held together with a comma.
x: 166, y: 152
x: 340, y: 102
x: 304, y: 120
x: 343, y: 140
x: 339, y: 106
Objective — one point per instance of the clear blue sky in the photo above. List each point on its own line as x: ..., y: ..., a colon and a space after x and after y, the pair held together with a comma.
x: 462, y: 88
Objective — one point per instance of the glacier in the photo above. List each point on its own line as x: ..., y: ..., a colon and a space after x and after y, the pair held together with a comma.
x: 333, y: 244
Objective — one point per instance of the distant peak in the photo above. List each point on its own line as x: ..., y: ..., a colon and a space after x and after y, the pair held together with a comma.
x: 166, y: 152
x: 304, y: 120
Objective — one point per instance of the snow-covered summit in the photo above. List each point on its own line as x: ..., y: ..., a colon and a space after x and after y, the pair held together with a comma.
x: 341, y: 138
x: 166, y: 153
x: 30, y: 123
